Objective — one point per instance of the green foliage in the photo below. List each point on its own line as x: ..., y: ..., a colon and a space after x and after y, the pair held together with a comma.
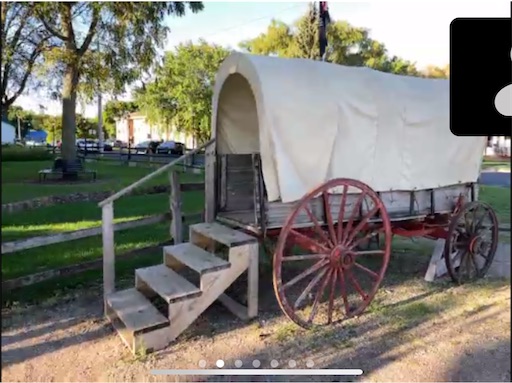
x: 11, y: 153
x: 181, y: 94
x: 349, y: 45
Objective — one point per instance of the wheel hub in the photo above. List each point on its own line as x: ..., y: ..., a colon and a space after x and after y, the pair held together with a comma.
x: 342, y: 256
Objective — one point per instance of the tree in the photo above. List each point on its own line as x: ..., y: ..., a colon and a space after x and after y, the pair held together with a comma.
x: 24, y: 40
x: 433, y: 71
x: 180, y: 96
x: 102, y: 45
x: 351, y: 46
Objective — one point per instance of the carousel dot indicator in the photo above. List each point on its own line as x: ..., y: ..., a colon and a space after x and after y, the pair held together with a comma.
x: 292, y: 363
x: 310, y: 364
x: 256, y: 363
x: 219, y: 363
x: 202, y: 363
x: 238, y: 363
x: 274, y: 363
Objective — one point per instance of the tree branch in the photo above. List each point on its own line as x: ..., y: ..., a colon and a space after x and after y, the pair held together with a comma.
x: 90, y: 32
x: 52, y: 30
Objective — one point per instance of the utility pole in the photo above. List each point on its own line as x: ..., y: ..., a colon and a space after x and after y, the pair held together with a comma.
x: 100, y: 114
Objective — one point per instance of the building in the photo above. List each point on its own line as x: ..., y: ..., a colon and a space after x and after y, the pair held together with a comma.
x: 135, y: 129
x: 498, y: 146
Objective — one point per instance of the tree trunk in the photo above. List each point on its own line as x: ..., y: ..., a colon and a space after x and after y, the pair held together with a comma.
x: 69, y: 90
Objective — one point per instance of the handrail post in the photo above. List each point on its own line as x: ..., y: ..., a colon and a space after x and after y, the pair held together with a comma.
x: 109, y: 271
x: 176, y: 229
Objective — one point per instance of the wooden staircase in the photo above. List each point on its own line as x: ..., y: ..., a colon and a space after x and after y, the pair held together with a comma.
x: 144, y: 328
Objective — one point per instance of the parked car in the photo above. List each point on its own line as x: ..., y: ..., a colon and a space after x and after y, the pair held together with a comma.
x: 116, y: 144
x: 108, y: 146
x: 146, y: 147
x: 88, y: 145
x: 120, y: 144
x: 32, y: 143
x: 171, y: 147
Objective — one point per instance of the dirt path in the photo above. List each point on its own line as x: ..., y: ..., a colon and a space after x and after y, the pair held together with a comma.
x: 413, y: 332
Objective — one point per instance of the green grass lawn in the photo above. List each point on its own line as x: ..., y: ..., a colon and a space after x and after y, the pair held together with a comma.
x: 19, y: 179
x: 83, y: 215
x: 505, y: 164
x: 499, y: 199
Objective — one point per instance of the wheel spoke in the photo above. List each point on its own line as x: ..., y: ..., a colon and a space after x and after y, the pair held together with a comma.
x: 317, y: 226
x: 361, y: 224
x: 473, y: 263
x: 305, y: 257
x: 343, y: 289
x: 309, y: 287
x: 362, y: 239
x: 353, y: 214
x: 319, y: 294
x: 328, y: 216
x: 308, y: 243
x: 331, y: 295
x: 341, y: 213
x: 474, y: 218
x: 367, y: 270
x: 305, y: 273
x: 357, y: 286
x: 368, y: 252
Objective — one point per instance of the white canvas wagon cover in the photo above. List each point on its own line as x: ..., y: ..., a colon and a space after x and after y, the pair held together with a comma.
x: 312, y: 121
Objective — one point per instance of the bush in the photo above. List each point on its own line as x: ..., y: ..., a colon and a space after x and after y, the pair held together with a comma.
x: 20, y: 153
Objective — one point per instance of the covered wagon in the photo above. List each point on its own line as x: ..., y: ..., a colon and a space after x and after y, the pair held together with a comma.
x: 326, y: 158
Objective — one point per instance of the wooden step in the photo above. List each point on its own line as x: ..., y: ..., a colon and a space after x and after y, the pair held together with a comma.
x: 223, y: 234
x: 162, y: 280
x: 141, y: 326
x: 196, y: 258
x: 136, y: 311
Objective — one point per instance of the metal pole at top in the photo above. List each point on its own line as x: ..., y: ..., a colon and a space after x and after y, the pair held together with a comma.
x: 323, y: 21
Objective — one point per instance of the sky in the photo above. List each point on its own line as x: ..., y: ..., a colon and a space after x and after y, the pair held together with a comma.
x: 415, y: 30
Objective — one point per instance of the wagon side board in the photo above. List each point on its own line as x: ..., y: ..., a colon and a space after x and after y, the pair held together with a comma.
x: 241, y: 199
x: 400, y: 205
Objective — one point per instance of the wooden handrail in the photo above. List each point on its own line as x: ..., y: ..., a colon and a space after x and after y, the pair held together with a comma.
x: 143, y: 180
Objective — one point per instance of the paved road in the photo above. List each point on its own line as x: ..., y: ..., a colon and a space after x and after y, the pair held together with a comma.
x: 495, y: 179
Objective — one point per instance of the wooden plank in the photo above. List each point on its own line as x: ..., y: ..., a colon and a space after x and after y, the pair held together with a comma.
x: 195, y: 258
x: 210, y: 184
x: 223, y: 187
x: 136, y: 311
x: 222, y: 234
x: 176, y: 229
x: 168, y: 284
x: 183, y: 314
x: 109, y: 271
x: 150, y: 176
x: 44, y: 240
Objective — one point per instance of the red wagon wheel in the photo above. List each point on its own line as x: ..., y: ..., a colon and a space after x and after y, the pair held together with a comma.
x: 472, y: 242
x: 320, y: 275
